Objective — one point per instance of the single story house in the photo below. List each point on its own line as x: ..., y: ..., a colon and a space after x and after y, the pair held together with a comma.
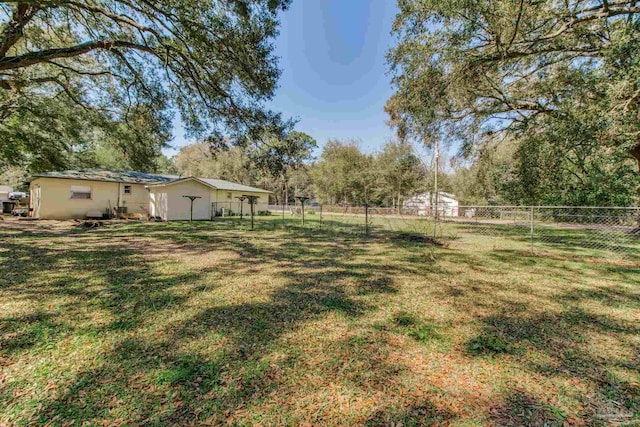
x: 91, y: 192
x: 424, y: 204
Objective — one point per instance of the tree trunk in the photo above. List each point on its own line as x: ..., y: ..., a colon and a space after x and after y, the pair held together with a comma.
x: 635, y: 152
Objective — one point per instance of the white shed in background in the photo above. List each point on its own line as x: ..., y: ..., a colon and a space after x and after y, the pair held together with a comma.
x: 424, y: 204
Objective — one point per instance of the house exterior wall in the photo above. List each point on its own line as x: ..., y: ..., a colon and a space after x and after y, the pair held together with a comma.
x: 137, y: 201
x: 158, y: 206
x: 51, y: 199
x: 167, y: 201
x: 54, y: 198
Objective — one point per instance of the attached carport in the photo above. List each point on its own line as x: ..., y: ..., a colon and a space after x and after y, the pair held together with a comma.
x: 170, y: 201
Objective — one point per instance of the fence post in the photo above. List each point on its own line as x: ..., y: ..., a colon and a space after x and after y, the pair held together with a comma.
x: 366, y: 219
x: 531, y: 233
x: 320, y: 217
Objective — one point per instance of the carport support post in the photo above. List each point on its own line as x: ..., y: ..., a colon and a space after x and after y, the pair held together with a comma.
x: 192, y: 198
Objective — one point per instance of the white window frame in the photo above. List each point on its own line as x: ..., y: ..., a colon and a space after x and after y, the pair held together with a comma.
x: 80, y: 189
x: 130, y: 189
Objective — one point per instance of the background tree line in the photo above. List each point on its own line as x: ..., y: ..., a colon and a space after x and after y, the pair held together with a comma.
x: 341, y: 174
x: 500, y: 172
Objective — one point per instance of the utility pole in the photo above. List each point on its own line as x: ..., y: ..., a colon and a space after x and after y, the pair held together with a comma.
x: 435, y: 181
x: 435, y: 185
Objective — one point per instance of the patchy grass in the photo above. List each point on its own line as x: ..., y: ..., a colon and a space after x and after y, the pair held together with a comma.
x: 211, y: 323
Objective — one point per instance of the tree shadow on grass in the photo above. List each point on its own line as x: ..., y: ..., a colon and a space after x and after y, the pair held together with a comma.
x: 610, y: 243
x: 126, y: 285
x: 418, y: 414
x: 563, y: 339
x: 18, y: 333
x: 612, y: 296
x: 206, y: 388
x: 558, y: 266
x: 130, y: 281
x: 521, y: 409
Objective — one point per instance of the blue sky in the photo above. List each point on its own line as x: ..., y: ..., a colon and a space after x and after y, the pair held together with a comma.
x: 332, y: 57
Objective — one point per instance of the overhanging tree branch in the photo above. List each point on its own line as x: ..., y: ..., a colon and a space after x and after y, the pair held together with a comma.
x: 32, y: 58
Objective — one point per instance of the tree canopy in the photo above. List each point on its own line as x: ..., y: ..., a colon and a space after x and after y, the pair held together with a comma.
x: 124, y: 67
x: 516, y: 66
x: 198, y: 160
x: 278, y: 155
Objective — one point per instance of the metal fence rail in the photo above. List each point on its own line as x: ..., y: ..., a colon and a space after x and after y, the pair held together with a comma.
x: 579, y: 230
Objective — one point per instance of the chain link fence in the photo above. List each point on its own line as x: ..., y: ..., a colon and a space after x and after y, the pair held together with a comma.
x: 584, y: 231
x: 580, y: 231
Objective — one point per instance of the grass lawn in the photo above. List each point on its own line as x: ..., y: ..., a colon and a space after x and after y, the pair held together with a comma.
x: 211, y: 323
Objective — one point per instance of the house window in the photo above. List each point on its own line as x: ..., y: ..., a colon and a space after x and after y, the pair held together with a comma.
x: 229, y: 195
x: 127, y: 189
x: 80, y: 192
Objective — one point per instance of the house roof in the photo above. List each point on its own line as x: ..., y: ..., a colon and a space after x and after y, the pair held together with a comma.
x: 149, y: 179
x: 133, y: 177
x: 218, y: 184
